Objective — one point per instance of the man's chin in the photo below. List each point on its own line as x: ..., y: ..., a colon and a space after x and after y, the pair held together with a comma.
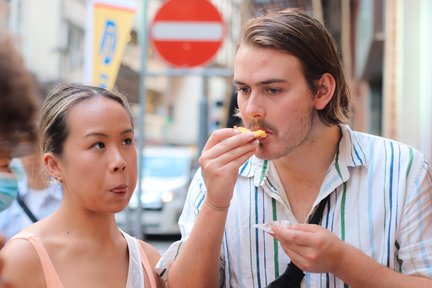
x: 263, y: 154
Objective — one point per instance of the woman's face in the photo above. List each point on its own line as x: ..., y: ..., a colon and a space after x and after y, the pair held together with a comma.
x: 99, y: 162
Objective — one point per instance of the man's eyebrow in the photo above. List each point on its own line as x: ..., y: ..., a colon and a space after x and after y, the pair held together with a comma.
x: 265, y: 82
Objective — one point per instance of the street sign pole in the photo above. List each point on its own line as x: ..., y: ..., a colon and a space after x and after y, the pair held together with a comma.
x: 142, y: 104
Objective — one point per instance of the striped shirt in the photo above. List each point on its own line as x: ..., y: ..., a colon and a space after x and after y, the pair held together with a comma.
x: 380, y: 202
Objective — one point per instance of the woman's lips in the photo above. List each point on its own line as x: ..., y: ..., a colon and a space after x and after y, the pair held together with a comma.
x: 120, y: 189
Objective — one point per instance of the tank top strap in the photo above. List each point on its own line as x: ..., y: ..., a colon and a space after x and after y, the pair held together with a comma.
x: 51, y: 276
x: 146, y: 265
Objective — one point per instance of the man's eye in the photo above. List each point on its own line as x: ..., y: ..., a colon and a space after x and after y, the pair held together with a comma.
x: 243, y: 90
x: 272, y: 90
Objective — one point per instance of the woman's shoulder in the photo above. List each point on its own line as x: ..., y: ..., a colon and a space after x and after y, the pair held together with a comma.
x: 22, y: 263
x: 151, y: 252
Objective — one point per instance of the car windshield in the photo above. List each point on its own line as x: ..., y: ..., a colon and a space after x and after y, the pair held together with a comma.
x: 165, y: 167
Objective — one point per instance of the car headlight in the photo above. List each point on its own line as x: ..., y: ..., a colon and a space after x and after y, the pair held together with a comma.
x: 167, y: 196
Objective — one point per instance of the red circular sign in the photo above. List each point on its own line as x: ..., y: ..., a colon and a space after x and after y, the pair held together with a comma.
x: 187, y: 33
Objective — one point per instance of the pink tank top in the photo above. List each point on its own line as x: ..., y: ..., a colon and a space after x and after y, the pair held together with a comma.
x: 51, y: 276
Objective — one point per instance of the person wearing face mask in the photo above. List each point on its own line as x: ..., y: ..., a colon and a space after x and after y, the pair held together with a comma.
x: 38, y: 196
x: 18, y: 106
x: 8, y: 184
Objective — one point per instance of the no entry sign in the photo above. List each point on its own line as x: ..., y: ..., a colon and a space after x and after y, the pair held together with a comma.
x: 187, y: 33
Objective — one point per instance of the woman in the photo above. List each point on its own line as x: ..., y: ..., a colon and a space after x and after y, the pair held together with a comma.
x: 87, y: 139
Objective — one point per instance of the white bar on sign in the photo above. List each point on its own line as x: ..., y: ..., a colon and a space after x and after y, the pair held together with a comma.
x: 187, y: 31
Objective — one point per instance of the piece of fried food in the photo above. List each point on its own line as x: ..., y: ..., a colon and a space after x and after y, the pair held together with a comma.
x: 257, y: 133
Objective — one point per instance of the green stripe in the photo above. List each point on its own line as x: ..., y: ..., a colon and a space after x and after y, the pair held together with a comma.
x: 263, y: 171
x: 337, y: 165
x: 178, y: 249
x: 343, y: 212
x: 411, y: 156
x: 275, y: 242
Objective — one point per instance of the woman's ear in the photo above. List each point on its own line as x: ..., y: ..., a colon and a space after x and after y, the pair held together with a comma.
x: 52, y: 165
x: 326, y: 88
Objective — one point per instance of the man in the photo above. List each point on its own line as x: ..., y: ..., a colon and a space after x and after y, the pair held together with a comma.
x: 376, y: 227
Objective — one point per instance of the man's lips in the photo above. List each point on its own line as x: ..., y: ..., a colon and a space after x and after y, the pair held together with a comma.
x: 120, y: 189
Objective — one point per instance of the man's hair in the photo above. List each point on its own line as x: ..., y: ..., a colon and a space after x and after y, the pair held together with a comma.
x: 18, y: 96
x: 295, y: 33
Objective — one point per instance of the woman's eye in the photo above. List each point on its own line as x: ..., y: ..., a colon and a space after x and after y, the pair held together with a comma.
x: 99, y: 145
x: 128, y: 141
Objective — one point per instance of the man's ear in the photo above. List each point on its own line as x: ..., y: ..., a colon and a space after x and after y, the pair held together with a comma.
x: 326, y: 87
x: 52, y: 165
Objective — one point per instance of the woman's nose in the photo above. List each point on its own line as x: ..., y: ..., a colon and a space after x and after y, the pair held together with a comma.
x: 118, y: 162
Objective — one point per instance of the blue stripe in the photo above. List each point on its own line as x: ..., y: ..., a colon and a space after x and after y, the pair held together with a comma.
x: 264, y: 239
x: 244, y: 166
x: 256, y: 240
x: 237, y: 224
x: 391, y: 203
x: 361, y: 150
x: 355, y: 151
x: 397, y: 187
x: 371, y: 223
x: 227, y: 262
x: 250, y: 233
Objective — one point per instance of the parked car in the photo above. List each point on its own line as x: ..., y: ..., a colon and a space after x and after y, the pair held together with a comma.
x: 167, y: 172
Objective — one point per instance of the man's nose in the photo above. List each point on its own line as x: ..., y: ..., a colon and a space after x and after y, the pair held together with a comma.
x: 254, y: 107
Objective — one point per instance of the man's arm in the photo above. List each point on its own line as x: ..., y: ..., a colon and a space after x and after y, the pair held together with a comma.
x: 198, y: 262
x: 358, y: 270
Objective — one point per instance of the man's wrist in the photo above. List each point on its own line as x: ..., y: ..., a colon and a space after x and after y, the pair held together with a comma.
x: 216, y: 208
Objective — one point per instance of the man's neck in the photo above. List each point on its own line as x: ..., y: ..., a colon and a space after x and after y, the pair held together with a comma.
x: 302, y: 172
x: 312, y: 159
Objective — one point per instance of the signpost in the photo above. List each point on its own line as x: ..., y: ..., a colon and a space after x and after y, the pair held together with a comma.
x: 187, y: 33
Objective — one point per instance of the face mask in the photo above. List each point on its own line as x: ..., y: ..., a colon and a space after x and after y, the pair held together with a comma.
x: 8, y: 189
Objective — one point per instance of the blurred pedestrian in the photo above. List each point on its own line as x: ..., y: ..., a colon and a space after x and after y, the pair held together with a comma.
x: 368, y: 197
x: 17, y: 119
x: 87, y: 138
x: 18, y: 104
x: 38, y: 197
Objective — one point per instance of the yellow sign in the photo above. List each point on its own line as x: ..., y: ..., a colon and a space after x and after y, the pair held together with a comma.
x: 111, y: 27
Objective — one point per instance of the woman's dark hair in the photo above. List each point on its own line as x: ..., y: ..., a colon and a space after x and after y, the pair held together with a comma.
x: 53, y: 125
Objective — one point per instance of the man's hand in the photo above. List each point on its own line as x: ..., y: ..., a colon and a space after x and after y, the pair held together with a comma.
x: 224, y: 153
x: 311, y: 247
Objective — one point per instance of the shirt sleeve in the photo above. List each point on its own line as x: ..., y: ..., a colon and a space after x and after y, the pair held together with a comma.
x: 415, y: 235
x: 192, y: 206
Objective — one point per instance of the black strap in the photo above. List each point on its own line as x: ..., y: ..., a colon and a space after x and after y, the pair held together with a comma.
x: 293, y: 275
x: 26, y: 209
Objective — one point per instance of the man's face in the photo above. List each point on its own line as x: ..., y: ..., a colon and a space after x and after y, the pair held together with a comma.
x: 273, y: 95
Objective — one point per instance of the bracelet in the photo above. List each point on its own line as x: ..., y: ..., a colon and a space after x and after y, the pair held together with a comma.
x: 215, y: 208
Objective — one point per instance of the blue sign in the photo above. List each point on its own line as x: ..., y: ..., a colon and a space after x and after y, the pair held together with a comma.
x: 108, y: 43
